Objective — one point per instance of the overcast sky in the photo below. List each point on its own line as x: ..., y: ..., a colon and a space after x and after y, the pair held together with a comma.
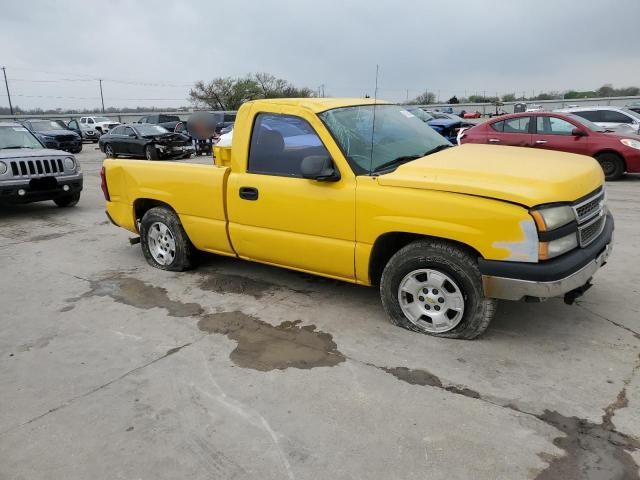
x: 59, y: 49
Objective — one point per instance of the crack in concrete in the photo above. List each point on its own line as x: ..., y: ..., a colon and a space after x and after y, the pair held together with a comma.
x: 619, y: 325
x: 72, y: 400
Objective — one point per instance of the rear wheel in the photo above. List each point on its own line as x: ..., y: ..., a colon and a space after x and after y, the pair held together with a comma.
x: 68, y: 200
x: 612, y: 165
x: 435, y: 287
x: 108, y: 150
x: 165, y: 244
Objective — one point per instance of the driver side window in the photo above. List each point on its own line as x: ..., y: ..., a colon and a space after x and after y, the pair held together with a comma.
x: 90, y: 121
x: 279, y: 143
x: 553, y: 126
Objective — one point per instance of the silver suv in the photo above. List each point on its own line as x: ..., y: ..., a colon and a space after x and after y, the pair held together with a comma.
x: 29, y: 172
x: 618, y: 119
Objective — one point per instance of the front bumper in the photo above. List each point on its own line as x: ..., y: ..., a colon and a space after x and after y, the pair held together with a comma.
x: 35, y: 191
x: 71, y: 146
x: 553, y: 278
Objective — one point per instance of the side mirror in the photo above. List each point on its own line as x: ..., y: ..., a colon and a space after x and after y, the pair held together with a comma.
x: 133, y: 135
x: 320, y: 168
x: 577, y: 132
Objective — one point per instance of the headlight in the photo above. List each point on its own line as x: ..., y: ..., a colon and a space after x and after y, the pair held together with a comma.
x: 557, y: 247
x: 629, y: 142
x: 553, y: 217
x: 69, y: 163
x: 3, y: 168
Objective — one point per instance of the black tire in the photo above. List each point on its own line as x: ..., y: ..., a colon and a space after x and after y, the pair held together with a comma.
x: 455, y: 263
x: 78, y: 150
x: 184, y: 258
x: 109, y: 152
x: 612, y: 165
x: 150, y: 153
x: 68, y: 200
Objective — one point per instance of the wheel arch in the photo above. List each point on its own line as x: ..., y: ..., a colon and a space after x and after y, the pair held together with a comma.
x: 387, y: 244
x: 143, y: 205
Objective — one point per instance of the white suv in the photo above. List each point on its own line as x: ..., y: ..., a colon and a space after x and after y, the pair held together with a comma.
x: 618, y: 119
x: 99, y: 124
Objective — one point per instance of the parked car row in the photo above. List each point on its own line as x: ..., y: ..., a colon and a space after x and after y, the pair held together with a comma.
x: 617, y: 153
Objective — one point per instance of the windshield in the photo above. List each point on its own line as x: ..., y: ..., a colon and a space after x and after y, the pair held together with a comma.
x: 169, y: 118
x: 46, y: 125
x: 630, y: 112
x: 101, y: 119
x: 17, y: 137
x: 145, y: 130
x: 583, y: 121
x: 397, y: 134
x: 421, y: 114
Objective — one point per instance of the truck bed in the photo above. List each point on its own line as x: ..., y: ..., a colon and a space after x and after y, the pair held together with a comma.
x: 196, y: 193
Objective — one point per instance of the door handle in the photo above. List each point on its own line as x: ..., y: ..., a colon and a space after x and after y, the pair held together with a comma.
x: 494, y: 140
x: 248, y: 193
x: 540, y: 142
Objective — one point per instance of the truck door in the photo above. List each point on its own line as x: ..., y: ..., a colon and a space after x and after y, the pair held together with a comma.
x: 280, y: 218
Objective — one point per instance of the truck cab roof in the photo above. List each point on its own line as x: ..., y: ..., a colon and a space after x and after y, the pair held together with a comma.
x: 318, y: 105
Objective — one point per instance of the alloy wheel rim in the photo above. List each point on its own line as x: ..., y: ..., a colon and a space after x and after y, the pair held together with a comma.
x: 162, y: 243
x: 431, y: 300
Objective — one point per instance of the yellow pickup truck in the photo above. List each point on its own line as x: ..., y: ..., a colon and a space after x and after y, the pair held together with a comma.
x: 365, y: 192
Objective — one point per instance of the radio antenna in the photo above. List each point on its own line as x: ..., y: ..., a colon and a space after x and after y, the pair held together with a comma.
x: 373, y: 127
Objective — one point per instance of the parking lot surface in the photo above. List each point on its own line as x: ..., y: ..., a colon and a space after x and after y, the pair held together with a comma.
x: 110, y: 368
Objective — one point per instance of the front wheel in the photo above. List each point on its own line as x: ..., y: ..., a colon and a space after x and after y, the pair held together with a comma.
x: 68, y: 200
x: 150, y: 153
x: 435, y: 287
x: 612, y: 165
x: 165, y: 244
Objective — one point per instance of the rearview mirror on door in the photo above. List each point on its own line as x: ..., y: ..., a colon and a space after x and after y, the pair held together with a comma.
x: 577, y: 132
x: 320, y: 168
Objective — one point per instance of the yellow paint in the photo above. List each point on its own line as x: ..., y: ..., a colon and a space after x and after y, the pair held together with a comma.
x: 473, y: 194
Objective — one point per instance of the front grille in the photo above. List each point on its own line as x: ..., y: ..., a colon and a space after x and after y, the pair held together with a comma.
x: 36, y: 168
x: 588, y: 232
x: 590, y: 207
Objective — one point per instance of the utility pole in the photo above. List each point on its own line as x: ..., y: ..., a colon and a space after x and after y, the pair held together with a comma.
x: 323, y: 90
x: 407, y: 96
x: 101, y: 97
x: 6, y: 84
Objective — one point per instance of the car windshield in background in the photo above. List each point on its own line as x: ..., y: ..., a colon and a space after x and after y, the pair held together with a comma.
x: 46, y: 125
x: 398, y: 136
x: 421, y: 114
x: 102, y: 119
x: 145, y: 130
x: 169, y: 118
x: 583, y: 121
x: 17, y: 137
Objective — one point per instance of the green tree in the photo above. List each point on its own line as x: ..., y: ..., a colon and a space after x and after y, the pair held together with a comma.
x: 453, y: 100
x: 229, y: 93
x: 509, y: 97
x: 424, y: 98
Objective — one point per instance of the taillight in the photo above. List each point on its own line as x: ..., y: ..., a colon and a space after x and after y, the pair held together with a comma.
x: 103, y: 184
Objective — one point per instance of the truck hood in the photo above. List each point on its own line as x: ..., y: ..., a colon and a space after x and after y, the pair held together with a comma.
x: 12, y: 153
x: 520, y: 175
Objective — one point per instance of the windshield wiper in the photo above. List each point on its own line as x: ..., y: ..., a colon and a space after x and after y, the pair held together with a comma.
x: 14, y: 146
x: 406, y: 158
x: 395, y: 161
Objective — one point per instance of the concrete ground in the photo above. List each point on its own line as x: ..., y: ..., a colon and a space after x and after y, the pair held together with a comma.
x: 112, y: 369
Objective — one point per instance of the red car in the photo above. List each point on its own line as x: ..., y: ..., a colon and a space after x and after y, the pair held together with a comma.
x: 616, y: 153
x: 471, y: 115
